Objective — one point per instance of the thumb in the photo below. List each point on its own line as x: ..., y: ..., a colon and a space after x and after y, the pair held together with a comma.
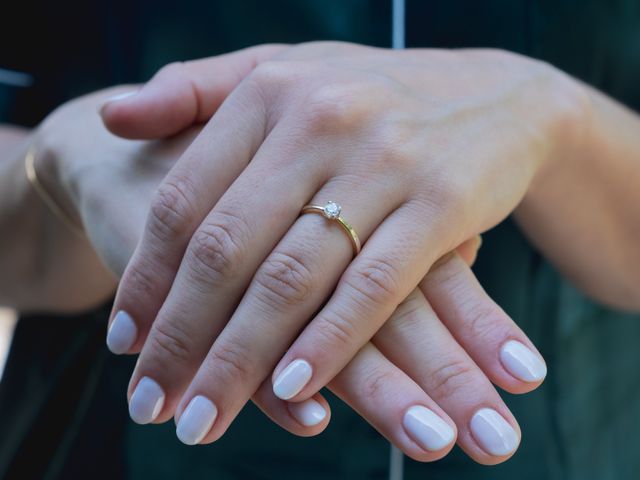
x: 180, y: 94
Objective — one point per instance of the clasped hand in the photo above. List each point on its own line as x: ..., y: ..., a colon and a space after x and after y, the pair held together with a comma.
x: 231, y: 294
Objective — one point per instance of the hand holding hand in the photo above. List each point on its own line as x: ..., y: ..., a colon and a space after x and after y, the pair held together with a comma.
x: 433, y: 160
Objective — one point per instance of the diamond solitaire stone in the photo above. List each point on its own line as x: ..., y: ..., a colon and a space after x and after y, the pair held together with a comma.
x: 332, y: 210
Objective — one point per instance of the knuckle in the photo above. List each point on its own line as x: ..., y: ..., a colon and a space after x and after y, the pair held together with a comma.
x: 451, y: 378
x: 375, y: 281
x: 171, y: 212
x: 335, y: 107
x: 410, y: 313
x: 377, y: 382
x: 140, y: 281
x: 453, y: 194
x: 284, y: 279
x: 271, y: 75
x: 486, y: 322
x: 336, y: 330
x: 172, y: 343
x: 216, y: 249
x: 231, y: 360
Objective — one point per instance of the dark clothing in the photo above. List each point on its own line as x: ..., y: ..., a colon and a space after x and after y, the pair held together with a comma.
x: 62, y: 401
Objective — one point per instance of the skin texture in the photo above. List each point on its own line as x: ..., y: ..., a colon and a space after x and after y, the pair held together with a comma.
x: 434, y: 160
x: 96, y: 176
x: 46, y: 267
x: 427, y: 147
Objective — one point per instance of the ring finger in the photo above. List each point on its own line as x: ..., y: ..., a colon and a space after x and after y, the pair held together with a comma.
x: 286, y: 290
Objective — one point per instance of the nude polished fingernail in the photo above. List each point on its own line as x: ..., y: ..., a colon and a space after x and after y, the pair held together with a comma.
x: 521, y: 362
x: 120, y: 96
x: 146, y: 402
x: 292, y: 379
x: 116, y: 98
x: 493, y: 433
x: 122, y: 333
x: 196, y: 420
x: 308, y: 413
x: 427, y: 429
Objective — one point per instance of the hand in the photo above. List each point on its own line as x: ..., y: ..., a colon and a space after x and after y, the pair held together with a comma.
x: 97, y: 177
x: 103, y: 183
x: 214, y: 247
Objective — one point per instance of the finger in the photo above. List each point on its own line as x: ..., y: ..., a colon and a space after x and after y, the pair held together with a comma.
x: 483, y: 329
x: 184, y: 198
x: 181, y: 94
x: 419, y: 344
x: 304, y: 419
x: 468, y: 251
x: 390, y: 265
x: 220, y: 259
x: 395, y: 405
x: 285, y: 291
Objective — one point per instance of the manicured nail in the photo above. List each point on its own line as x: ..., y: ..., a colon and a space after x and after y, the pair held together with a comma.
x: 196, y: 420
x: 308, y: 413
x: 116, y: 98
x: 146, y: 402
x: 493, y: 433
x: 121, y: 96
x: 122, y: 333
x: 292, y: 379
x: 521, y: 362
x: 427, y: 429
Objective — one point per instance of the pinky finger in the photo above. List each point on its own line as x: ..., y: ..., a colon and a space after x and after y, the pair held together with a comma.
x: 305, y: 419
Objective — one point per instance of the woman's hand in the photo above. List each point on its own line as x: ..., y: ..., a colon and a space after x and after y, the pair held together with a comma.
x: 103, y: 183
x: 97, y: 177
x: 423, y: 149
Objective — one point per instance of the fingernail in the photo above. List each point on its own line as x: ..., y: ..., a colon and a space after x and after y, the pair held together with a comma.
x: 521, y: 362
x: 196, y: 420
x: 292, y: 379
x: 122, y: 333
x: 308, y: 413
x: 493, y: 433
x: 121, y: 96
x: 427, y: 429
x: 116, y: 98
x: 146, y: 402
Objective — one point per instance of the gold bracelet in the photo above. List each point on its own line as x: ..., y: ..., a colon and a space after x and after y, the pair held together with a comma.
x: 30, y: 169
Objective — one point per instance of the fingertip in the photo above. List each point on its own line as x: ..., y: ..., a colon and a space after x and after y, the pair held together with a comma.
x: 312, y: 415
x: 160, y: 109
x: 429, y: 436
x: 122, y: 333
x: 524, y: 368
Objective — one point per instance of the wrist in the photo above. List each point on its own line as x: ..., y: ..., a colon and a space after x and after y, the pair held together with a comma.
x: 47, y: 148
x: 569, y: 107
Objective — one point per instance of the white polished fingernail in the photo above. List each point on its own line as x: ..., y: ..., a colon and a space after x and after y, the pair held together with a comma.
x: 116, y: 98
x: 146, y: 402
x: 292, y: 379
x: 120, y: 96
x: 493, y: 433
x: 122, y: 333
x: 427, y: 429
x: 521, y: 362
x: 196, y: 420
x: 308, y: 413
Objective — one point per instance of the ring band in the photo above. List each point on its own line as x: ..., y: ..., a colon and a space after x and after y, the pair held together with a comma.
x: 331, y: 211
